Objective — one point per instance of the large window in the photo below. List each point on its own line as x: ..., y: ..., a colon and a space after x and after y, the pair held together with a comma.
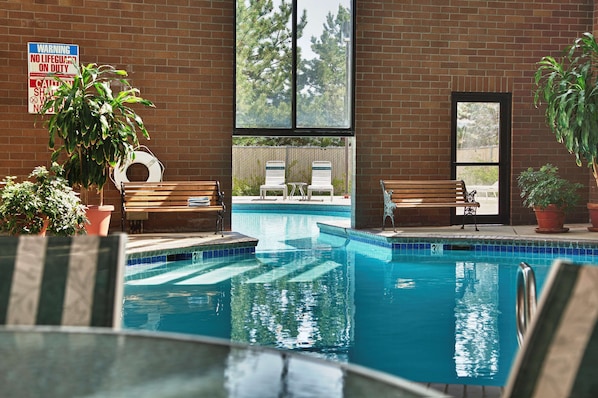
x: 294, y: 67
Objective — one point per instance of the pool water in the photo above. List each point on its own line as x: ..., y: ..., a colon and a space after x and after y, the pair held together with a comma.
x: 442, y: 319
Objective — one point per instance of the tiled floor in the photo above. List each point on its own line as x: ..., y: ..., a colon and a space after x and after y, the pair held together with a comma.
x: 466, y: 391
x: 148, y: 243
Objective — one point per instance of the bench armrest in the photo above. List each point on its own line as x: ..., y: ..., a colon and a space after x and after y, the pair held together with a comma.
x: 470, y: 196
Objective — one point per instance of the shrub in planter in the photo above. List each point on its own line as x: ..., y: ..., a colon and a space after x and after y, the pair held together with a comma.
x: 544, y: 189
x: 46, y: 200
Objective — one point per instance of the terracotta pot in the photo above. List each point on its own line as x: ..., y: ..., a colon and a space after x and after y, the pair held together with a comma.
x: 550, y: 220
x: 99, y: 219
x: 593, y: 210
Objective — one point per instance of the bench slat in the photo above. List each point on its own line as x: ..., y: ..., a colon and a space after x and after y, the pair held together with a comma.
x: 170, y: 197
x: 166, y: 198
x: 432, y: 204
x: 166, y: 209
x: 425, y: 194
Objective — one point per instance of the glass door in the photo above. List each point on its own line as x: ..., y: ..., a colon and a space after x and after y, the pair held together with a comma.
x: 481, y: 138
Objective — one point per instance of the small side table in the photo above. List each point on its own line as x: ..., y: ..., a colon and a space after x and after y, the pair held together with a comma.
x: 295, y: 185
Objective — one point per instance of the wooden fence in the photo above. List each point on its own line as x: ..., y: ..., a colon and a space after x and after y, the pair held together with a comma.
x: 249, y: 164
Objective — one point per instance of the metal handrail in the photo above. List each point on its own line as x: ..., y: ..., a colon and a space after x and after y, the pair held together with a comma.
x: 525, y: 305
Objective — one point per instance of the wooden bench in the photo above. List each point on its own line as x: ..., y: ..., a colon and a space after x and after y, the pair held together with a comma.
x: 173, y: 197
x: 427, y: 194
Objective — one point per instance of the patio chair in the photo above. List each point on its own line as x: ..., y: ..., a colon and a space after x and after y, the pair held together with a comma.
x: 321, y: 178
x: 275, y: 179
x: 55, y: 280
x: 559, y: 355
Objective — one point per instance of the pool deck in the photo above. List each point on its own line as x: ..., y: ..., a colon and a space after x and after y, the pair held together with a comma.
x: 141, y: 244
x: 148, y: 243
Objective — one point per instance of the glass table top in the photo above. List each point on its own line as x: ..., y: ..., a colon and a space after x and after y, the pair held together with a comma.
x: 101, y: 362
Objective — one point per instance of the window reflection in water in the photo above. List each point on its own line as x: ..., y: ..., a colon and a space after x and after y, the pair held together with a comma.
x: 296, y: 302
x: 477, y: 341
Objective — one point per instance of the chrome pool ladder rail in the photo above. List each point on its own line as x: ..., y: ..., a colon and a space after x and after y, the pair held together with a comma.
x: 525, y: 305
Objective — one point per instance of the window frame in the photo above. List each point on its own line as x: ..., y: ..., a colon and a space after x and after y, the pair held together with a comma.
x: 505, y: 99
x: 295, y: 131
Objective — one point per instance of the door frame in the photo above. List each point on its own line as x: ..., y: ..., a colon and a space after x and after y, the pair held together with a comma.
x: 504, y: 161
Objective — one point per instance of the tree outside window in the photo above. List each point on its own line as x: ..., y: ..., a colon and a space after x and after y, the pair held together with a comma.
x: 294, y: 67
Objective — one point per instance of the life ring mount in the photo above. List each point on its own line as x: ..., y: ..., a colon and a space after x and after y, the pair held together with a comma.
x: 147, y: 159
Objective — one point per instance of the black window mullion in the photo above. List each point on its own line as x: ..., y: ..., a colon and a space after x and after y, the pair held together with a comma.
x: 294, y: 69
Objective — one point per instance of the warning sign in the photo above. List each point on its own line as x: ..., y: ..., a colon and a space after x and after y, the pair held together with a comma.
x: 45, y: 61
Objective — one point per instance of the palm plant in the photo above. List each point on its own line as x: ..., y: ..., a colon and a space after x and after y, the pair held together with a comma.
x: 91, y: 127
x: 569, y: 88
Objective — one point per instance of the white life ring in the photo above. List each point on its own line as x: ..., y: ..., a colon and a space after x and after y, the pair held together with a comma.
x: 153, y: 165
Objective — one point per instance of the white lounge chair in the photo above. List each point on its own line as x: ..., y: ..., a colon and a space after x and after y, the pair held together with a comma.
x: 321, y: 178
x: 275, y: 179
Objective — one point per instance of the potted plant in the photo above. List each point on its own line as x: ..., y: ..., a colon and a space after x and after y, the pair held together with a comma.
x: 93, y: 128
x: 46, y: 202
x: 569, y: 88
x: 550, y: 195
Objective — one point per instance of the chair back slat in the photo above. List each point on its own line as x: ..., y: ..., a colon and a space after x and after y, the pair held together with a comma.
x: 321, y: 173
x: 558, y: 357
x: 275, y: 172
x: 74, y: 281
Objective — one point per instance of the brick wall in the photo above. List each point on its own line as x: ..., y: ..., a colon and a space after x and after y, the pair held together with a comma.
x: 178, y: 53
x: 411, y: 55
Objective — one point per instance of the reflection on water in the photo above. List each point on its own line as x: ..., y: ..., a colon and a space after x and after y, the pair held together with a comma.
x: 444, y: 319
x: 477, y: 339
x: 420, y: 317
x: 250, y: 375
x: 296, y: 302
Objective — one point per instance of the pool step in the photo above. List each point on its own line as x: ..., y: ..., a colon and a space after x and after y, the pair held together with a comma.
x: 169, y: 276
x: 315, y: 272
x: 278, y: 272
x: 192, y: 274
x: 218, y: 275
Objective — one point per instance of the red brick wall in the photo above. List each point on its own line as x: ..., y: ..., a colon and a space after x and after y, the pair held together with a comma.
x: 178, y: 53
x: 412, y: 54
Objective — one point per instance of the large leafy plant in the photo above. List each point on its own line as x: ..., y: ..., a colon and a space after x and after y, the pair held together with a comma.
x: 543, y: 187
x: 92, y: 127
x: 45, y: 198
x: 569, y: 88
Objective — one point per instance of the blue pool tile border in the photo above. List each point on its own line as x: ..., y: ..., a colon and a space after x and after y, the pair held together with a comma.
x: 189, y: 254
x: 484, y: 245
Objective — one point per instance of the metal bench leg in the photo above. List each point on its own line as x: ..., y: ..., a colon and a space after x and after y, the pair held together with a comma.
x: 389, y: 207
x: 220, y: 225
x: 392, y: 219
x: 136, y: 226
x: 470, y: 211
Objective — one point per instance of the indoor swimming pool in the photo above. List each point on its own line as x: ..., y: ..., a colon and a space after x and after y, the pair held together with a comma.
x: 446, y: 318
